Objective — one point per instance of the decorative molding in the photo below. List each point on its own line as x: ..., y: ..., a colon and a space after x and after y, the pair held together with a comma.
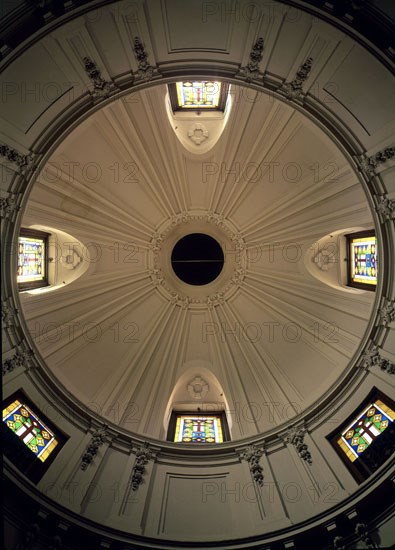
x: 372, y: 358
x: 338, y: 543
x: 253, y: 455
x: 198, y: 133
x: 296, y: 438
x: 385, y: 206
x: 98, y: 438
x: 8, y: 206
x: 369, y: 164
x: 12, y: 155
x: 235, y: 248
x: 387, y: 313
x: 143, y: 455
x: 251, y: 70
x: 294, y: 88
x: 198, y: 388
x: 325, y: 259
x: 145, y: 71
x: 215, y: 300
x: 182, y: 301
x: 101, y: 88
x: 8, y: 313
x: 361, y: 530
x: 19, y: 359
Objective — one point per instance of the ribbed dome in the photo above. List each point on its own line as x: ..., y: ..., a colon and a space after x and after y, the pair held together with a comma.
x: 274, y: 336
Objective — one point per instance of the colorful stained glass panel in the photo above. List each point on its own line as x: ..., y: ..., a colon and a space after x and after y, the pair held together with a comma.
x: 357, y: 437
x: 198, y: 95
x: 198, y: 429
x: 26, y: 425
x: 31, y: 259
x: 363, y: 254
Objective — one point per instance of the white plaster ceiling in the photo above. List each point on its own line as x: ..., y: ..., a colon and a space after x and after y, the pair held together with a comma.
x: 272, y: 336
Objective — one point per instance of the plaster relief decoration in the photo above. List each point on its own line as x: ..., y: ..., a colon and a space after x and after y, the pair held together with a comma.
x: 294, y: 88
x: 370, y: 164
x: 387, y: 313
x: 13, y: 156
x: 145, y: 70
x: 253, y: 455
x: 143, y: 455
x: 161, y: 272
x: 361, y: 530
x: 19, y: 359
x: 338, y: 543
x: 98, y: 438
x: 101, y: 88
x: 385, y: 207
x: 198, y: 133
x: 198, y: 388
x: 296, y: 438
x: 8, y: 313
x: 251, y: 70
x: 71, y: 260
x: 372, y: 358
x: 325, y: 259
x: 8, y: 206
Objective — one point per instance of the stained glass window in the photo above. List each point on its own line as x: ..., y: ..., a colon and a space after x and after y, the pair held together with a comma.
x: 370, y: 424
x: 32, y: 259
x: 198, y: 95
x: 28, y: 427
x: 198, y: 429
x: 363, y: 261
x: 31, y: 442
x: 367, y: 438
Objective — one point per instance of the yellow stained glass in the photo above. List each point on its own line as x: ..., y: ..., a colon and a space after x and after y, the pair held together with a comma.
x: 198, y: 95
x: 364, y: 264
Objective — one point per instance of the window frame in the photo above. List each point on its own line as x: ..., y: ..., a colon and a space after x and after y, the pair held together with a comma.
x: 18, y: 453
x: 358, y: 469
x: 34, y: 233
x: 176, y: 108
x: 173, y: 422
x: 349, y: 238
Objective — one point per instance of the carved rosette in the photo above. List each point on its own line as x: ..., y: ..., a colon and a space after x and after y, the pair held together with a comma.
x: 251, y: 70
x: 98, y: 438
x: 296, y: 438
x: 161, y: 276
x: 294, y: 88
x: 143, y: 456
x: 252, y: 455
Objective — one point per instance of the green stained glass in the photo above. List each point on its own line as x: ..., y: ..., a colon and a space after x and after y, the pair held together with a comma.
x: 21, y: 420
x: 198, y: 429
x: 31, y: 260
x: 369, y: 424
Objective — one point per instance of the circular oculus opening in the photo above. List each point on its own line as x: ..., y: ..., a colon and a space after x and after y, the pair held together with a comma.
x: 197, y: 259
